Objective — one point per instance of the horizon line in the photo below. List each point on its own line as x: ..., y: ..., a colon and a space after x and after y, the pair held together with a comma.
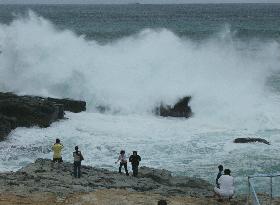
x: 88, y: 3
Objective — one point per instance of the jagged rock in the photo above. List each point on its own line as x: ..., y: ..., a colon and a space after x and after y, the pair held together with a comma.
x: 28, y: 111
x: 70, y: 105
x: 44, y: 176
x: 7, y: 124
x: 249, y: 140
x: 180, y: 109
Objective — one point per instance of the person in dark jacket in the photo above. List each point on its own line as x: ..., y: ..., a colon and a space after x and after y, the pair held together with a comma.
x: 221, y: 168
x: 78, y: 157
x: 135, y: 159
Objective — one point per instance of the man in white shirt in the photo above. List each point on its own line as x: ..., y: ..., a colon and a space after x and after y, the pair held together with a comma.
x: 226, y: 189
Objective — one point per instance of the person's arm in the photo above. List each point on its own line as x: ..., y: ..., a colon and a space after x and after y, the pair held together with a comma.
x: 220, y: 181
x: 118, y: 159
x: 130, y: 158
x: 139, y: 158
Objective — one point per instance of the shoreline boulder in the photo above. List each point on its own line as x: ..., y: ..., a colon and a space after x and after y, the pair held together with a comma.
x: 180, y: 109
x: 250, y: 140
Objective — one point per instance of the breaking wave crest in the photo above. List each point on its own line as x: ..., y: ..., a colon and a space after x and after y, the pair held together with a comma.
x: 227, y: 78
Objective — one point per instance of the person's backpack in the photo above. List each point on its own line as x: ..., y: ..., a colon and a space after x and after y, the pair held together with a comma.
x: 81, y: 157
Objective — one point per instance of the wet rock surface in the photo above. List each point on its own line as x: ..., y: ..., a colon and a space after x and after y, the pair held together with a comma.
x: 44, y: 176
x: 28, y: 111
x: 180, y: 109
x: 69, y: 104
x: 251, y: 140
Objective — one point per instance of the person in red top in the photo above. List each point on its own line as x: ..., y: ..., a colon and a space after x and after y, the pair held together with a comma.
x: 123, y: 162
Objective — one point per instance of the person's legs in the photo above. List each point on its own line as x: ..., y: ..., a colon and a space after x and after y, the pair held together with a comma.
x: 135, y: 171
x: 217, y: 192
x: 120, y: 167
x: 79, y: 169
x: 75, y: 169
x: 125, y: 168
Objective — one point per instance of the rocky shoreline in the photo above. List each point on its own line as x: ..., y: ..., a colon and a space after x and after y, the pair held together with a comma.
x: 45, y: 176
x: 43, y: 182
x: 44, y: 179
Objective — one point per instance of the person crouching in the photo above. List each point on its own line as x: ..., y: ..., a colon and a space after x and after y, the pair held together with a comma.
x: 226, y: 182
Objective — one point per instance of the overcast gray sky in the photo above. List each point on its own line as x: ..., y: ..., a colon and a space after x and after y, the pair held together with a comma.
x: 134, y: 1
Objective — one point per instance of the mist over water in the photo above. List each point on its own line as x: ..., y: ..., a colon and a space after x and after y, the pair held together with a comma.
x: 233, y: 83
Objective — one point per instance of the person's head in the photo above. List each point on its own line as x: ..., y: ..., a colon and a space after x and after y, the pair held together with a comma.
x: 227, y: 172
x: 76, y: 148
x: 57, y: 141
x: 220, y: 167
x: 134, y: 153
x: 162, y: 202
x: 122, y: 152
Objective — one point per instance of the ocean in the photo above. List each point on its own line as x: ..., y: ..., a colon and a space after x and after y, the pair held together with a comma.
x: 130, y: 59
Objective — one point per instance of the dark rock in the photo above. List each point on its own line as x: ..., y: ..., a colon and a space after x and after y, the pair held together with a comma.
x: 7, y: 124
x: 249, y: 140
x: 28, y: 111
x: 180, y: 109
x: 70, y: 105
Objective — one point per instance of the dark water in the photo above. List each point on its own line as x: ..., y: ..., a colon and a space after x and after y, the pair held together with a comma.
x: 109, y: 22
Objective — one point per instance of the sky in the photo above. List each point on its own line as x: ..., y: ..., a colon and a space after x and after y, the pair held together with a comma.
x: 133, y: 1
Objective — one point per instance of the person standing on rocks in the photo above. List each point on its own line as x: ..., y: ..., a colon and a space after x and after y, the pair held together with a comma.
x: 123, y: 162
x: 78, y: 157
x: 57, y: 148
x: 221, y: 168
x: 135, y: 159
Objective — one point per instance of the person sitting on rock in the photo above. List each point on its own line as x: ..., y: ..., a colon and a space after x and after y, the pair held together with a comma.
x: 78, y: 157
x: 135, y: 159
x: 57, y: 148
x: 123, y: 162
x: 221, y: 168
x: 226, y: 189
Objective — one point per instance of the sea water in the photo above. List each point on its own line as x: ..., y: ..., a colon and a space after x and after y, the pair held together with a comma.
x: 130, y: 59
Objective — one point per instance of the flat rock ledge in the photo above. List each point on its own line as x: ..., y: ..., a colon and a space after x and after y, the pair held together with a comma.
x: 45, y: 177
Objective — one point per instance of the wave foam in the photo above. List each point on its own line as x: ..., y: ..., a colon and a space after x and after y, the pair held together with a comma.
x: 226, y: 77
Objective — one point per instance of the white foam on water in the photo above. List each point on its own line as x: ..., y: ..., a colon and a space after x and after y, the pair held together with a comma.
x: 226, y: 77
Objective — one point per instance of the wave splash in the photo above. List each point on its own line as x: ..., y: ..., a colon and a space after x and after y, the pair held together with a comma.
x: 227, y: 77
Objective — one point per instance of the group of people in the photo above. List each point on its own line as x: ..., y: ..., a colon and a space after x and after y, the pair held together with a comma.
x: 77, y: 155
x: 224, y: 181
x: 134, y: 159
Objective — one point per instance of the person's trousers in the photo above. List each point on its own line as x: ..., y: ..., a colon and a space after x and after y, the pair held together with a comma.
x: 135, y: 170
x: 77, y: 169
x: 125, y: 167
